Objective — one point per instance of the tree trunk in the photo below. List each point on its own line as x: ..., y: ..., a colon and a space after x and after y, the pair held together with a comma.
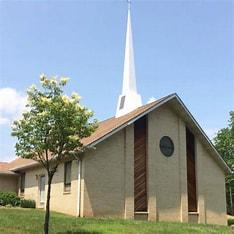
x: 47, y: 214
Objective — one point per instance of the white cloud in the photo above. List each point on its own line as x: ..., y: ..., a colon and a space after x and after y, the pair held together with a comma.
x: 12, y: 103
x: 152, y: 99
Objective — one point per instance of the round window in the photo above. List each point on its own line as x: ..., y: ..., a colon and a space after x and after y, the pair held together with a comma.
x: 166, y: 146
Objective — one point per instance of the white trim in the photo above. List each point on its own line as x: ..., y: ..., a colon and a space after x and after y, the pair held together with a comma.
x: 203, y: 133
x: 78, y: 188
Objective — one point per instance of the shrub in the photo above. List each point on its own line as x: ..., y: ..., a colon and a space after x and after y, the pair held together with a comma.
x: 9, y: 198
x: 230, y: 222
x: 26, y: 203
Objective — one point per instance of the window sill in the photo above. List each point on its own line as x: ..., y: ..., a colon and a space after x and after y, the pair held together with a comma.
x: 66, y: 192
x: 141, y: 212
x: 193, y: 213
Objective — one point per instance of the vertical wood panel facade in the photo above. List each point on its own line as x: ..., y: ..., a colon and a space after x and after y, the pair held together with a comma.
x: 191, y: 172
x: 140, y: 176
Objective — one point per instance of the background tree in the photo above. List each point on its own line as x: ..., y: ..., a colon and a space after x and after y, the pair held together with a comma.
x: 51, y: 130
x: 224, y: 143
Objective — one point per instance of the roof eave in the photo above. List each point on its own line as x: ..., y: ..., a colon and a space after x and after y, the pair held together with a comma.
x: 92, y: 144
x: 9, y: 173
x: 223, y: 164
x: 20, y: 168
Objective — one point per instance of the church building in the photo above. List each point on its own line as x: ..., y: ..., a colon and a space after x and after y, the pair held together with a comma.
x: 150, y: 162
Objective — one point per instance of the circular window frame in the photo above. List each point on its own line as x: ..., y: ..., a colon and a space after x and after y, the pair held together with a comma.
x: 168, y: 150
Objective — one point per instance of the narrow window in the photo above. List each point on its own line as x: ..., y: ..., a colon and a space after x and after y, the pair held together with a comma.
x: 122, y: 102
x: 191, y: 172
x: 140, y: 168
x: 67, y: 176
x: 42, y: 189
x: 22, y: 184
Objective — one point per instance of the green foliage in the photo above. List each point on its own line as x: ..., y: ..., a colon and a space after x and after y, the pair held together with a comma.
x: 52, y: 128
x: 224, y: 143
x: 26, y: 203
x: 54, y: 124
x: 9, y: 198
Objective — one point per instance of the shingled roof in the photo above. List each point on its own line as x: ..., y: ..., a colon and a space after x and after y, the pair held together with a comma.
x: 9, y: 167
x: 4, y: 168
x: 108, y: 127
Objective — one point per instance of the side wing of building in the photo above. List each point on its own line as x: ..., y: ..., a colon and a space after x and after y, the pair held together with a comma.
x: 62, y: 199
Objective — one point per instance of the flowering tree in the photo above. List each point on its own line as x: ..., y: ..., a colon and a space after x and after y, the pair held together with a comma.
x: 52, y: 128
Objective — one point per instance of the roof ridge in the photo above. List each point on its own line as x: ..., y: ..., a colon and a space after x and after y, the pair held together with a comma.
x: 156, y: 101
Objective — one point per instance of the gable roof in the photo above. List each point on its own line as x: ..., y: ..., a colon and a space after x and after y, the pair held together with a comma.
x: 3, y: 166
x: 112, y: 125
x: 4, y: 169
x: 21, y: 163
x: 109, y: 126
x: 18, y: 163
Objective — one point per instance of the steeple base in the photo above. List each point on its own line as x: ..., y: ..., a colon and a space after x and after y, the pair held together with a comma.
x: 127, y: 103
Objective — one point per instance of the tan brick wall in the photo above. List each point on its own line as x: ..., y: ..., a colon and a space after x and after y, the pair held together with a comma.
x: 129, y: 172
x: 183, y: 171
x: 60, y: 201
x: 8, y: 183
x: 104, y: 178
x: 211, y: 189
x: 65, y: 202
x: 31, y: 190
x: 164, y: 174
x: 151, y: 169
x: 167, y: 180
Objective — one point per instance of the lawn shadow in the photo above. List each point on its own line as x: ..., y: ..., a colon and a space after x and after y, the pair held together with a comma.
x: 80, y: 232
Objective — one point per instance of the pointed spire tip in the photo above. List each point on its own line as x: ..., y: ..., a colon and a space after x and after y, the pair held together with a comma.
x: 129, y: 4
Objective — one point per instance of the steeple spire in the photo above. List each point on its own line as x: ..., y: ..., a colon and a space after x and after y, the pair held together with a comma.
x: 129, y: 4
x: 129, y: 99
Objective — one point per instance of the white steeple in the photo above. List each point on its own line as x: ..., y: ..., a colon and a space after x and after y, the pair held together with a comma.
x: 129, y: 99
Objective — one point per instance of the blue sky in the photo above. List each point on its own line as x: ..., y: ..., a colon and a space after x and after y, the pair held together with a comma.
x: 185, y: 47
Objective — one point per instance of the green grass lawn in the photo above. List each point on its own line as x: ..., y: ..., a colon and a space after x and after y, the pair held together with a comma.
x: 13, y: 220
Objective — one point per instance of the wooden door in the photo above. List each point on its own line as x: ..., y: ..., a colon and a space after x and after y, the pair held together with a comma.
x: 140, y: 188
